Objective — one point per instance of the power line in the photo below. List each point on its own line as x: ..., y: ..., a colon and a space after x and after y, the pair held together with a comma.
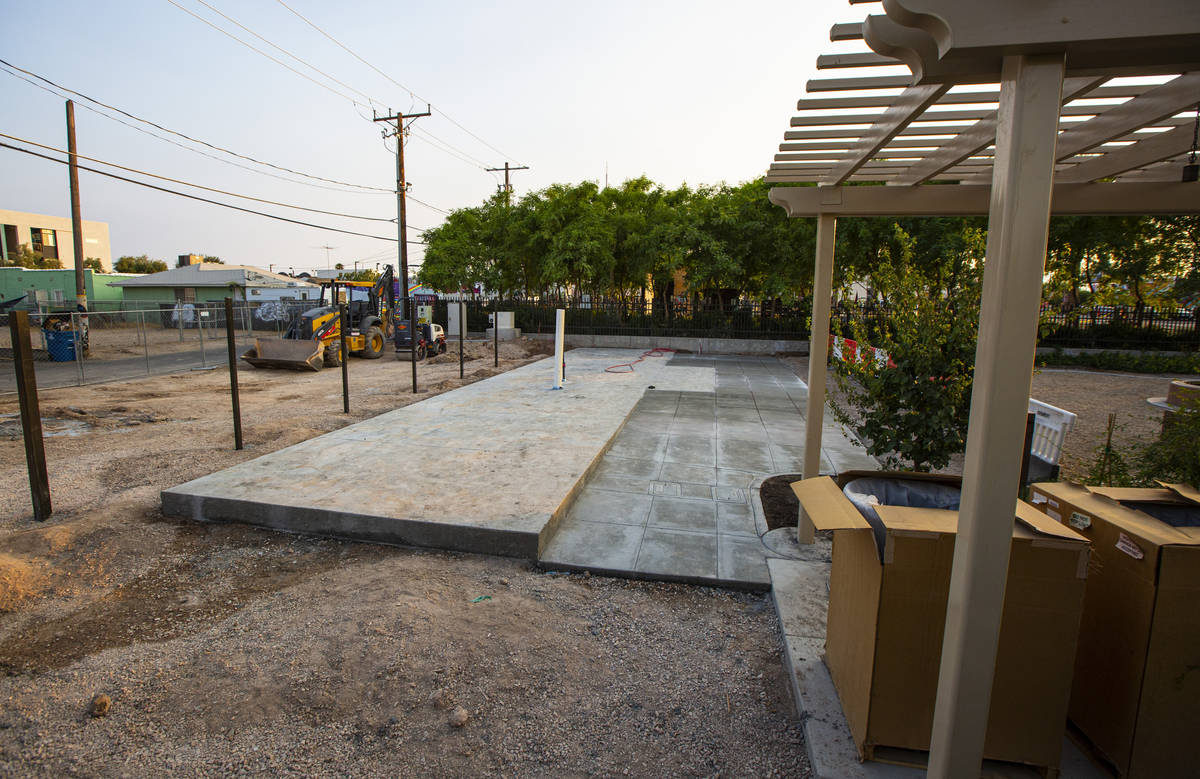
x: 190, y: 138
x: 411, y: 93
x: 252, y: 47
x: 198, y: 186
x: 288, y: 53
x: 197, y: 197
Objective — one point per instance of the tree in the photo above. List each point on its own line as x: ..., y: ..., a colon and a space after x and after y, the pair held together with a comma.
x: 366, y: 274
x: 25, y: 257
x: 139, y: 264
x: 94, y: 263
x: 213, y: 259
x: 914, y: 412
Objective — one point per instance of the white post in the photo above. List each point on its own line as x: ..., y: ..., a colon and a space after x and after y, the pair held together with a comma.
x: 1022, y: 178
x: 818, y: 359
x: 560, y: 327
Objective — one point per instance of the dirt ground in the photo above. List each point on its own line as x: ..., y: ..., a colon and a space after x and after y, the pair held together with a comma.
x: 1091, y: 396
x: 229, y: 650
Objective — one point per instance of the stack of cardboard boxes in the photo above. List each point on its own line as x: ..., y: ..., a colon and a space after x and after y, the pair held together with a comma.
x: 887, y: 611
x: 1136, y: 690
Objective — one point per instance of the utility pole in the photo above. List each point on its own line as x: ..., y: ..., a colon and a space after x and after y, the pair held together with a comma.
x: 507, y: 185
x: 76, y: 229
x: 402, y: 225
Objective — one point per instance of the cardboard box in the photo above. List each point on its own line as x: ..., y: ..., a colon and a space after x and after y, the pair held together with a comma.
x: 1136, y: 695
x: 887, y: 613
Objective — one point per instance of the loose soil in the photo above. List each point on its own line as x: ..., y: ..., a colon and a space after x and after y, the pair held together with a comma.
x: 231, y: 650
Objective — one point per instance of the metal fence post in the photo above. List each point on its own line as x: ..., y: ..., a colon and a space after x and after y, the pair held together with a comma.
x: 145, y: 339
x: 343, y: 326
x: 77, y: 331
x: 200, y: 329
x: 31, y: 414
x: 233, y: 375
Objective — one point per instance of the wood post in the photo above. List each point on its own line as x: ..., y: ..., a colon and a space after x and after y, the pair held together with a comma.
x: 462, y: 326
x: 233, y: 375
x: 31, y: 414
x: 818, y: 359
x: 1018, y: 220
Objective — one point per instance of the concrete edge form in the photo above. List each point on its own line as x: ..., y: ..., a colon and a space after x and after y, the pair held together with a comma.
x: 353, y: 526
x: 740, y: 585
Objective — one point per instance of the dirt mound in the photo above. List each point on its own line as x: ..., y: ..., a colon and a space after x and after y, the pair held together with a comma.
x: 18, y: 580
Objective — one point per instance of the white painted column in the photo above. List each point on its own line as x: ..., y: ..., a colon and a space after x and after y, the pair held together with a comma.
x: 1018, y: 219
x: 818, y: 358
x: 560, y: 328
x: 818, y: 344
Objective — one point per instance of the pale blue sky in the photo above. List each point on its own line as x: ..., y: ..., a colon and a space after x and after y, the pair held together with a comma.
x: 696, y: 92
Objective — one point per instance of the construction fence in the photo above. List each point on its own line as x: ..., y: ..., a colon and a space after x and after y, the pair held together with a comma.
x: 71, y: 348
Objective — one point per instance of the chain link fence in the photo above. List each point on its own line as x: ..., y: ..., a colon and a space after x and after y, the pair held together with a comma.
x: 72, y: 348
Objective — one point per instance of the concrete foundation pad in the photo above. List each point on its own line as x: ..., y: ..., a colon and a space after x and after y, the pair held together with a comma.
x: 514, y: 451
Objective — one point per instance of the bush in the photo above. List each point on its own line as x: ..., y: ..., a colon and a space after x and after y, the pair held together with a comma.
x: 914, y: 415
x: 1173, y: 457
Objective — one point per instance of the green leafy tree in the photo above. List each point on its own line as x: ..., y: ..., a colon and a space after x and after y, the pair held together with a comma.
x: 213, y: 259
x: 139, y: 264
x: 94, y: 263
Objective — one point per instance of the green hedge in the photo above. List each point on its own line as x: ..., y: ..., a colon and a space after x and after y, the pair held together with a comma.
x: 1123, y: 361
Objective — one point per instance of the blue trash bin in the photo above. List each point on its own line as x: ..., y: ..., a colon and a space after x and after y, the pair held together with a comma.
x: 61, y: 344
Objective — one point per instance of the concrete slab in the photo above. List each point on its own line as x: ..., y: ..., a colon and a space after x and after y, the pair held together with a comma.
x: 516, y: 471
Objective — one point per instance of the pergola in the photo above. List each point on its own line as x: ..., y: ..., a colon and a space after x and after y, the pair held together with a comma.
x: 1013, y: 110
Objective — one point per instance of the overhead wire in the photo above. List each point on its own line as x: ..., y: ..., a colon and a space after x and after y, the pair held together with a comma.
x: 199, y: 186
x: 276, y: 46
x: 252, y: 47
x: 197, y: 197
x: 411, y: 93
x: 185, y: 136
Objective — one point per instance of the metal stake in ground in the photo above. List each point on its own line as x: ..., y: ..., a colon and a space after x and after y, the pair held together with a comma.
x: 343, y: 326
x: 462, y: 326
x: 31, y: 414
x: 496, y: 334
x: 233, y: 379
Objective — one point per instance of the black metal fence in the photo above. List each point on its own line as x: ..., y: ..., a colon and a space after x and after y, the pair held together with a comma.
x: 1122, y: 327
x: 758, y: 320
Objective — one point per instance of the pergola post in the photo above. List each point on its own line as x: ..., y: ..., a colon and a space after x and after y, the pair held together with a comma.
x: 818, y: 359
x: 1030, y: 97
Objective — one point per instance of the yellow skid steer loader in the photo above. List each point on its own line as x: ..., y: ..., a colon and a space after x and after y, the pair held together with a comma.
x: 313, y: 338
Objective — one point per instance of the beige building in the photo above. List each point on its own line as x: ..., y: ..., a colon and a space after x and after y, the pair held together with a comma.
x: 52, y: 237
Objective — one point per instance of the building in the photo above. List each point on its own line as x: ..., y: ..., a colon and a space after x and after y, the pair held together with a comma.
x: 55, y: 289
x: 212, y: 282
x: 53, y: 238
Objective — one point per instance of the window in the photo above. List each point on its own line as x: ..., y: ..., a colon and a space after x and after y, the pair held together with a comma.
x: 43, y: 242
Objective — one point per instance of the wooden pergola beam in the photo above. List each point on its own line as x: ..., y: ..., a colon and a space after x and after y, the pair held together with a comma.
x: 1114, y: 198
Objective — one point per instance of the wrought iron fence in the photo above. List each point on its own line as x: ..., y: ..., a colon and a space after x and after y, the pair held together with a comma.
x: 661, y: 319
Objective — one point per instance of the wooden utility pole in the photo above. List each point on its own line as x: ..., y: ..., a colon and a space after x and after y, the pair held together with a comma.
x: 76, y: 228
x: 507, y: 186
x: 402, y: 226
x: 76, y: 219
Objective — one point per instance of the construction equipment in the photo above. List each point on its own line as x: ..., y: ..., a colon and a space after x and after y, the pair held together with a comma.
x: 431, y: 341
x: 313, y: 338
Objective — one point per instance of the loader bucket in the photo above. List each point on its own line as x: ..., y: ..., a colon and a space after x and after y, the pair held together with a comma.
x: 285, y: 353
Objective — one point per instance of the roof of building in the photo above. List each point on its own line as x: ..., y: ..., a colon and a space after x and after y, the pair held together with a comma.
x: 209, y: 274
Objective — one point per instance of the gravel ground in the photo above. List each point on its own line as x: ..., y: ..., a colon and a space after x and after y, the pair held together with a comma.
x: 231, y: 650
x: 1091, y: 396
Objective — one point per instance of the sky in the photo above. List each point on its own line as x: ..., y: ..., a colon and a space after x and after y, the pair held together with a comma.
x: 682, y: 92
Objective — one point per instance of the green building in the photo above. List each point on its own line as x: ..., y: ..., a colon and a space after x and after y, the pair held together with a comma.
x: 55, y: 289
